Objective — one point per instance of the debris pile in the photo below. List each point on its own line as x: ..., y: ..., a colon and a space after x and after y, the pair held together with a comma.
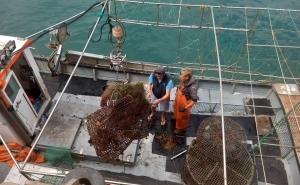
x: 169, y: 142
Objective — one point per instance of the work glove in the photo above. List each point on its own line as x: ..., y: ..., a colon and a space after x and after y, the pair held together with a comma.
x: 182, y: 109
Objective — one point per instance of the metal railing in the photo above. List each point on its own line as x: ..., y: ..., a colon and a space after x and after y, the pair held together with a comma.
x: 215, y: 108
x: 282, y: 138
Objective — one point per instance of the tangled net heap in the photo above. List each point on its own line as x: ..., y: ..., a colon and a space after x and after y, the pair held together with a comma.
x: 209, y: 139
x: 140, y: 104
x: 113, y: 127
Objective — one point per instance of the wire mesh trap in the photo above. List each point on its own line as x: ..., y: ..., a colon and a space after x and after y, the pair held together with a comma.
x: 53, y: 180
x: 209, y: 139
x: 140, y: 104
x: 113, y: 127
x: 200, y: 169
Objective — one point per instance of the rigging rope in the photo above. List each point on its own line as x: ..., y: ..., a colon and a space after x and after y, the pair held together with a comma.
x: 110, y: 36
x: 293, y: 22
x: 282, y: 71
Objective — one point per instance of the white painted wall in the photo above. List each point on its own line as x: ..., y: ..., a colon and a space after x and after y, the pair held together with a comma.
x: 8, y: 133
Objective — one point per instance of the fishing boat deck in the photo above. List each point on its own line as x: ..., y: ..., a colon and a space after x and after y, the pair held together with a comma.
x: 159, y: 168
x: 267, y: 113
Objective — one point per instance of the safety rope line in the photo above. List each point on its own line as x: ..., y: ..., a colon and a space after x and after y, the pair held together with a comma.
x: 252, y: 96
x: 285, y: 60
x: 291, y: 22
x: 248, y: 33
x: 294, y: 22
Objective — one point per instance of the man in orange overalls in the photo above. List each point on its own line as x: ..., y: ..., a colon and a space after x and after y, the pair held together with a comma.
x: 186, y: 97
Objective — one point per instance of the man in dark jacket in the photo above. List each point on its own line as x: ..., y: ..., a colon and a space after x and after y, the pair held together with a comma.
x: 186, y: 97
x: 159, y: 88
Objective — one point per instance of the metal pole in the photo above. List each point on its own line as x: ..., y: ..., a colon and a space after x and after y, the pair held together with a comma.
x: 271, y: 144
x: 117, y: 182
x: 148, y: 23
x: 211, y: 65
x: 221, y: 100
x: 51, y: 27
x: 197, y: 5
x: 179, y: 14
x: 35, y: 142
x: 13, y: 158
x: 272, y: 46
x: 241, y: 105
x: 44, y: 173
x: 178, y: 155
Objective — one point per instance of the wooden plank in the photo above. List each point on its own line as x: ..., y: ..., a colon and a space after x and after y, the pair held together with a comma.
x: 288, y: 101
x: 263, y: 124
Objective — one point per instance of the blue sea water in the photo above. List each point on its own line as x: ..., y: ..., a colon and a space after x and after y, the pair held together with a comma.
x: 174, y: 46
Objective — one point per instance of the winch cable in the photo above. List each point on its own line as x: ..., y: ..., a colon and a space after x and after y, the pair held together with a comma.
x: 110, y: 36
x: 45, y: 31
x: 110, y: 39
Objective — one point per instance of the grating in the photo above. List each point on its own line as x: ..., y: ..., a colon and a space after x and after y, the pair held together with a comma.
x: 200, y: 170
x: 209, y: 139
x: 112, y: 128
x: 53, y: 180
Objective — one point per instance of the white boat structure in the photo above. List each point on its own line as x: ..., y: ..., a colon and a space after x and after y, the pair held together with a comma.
x: 245, y: 61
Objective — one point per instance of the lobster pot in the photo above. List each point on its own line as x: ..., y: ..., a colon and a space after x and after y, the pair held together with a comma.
x: 200, y: 169
x: 114, y: 127
x: 209, y: 139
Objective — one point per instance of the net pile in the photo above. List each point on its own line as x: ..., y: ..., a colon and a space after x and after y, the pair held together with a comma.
x: 113, y: 127
x: 53, y: 180
x: 209, y: 139
x: 140, y: 104
x: 57, y: 155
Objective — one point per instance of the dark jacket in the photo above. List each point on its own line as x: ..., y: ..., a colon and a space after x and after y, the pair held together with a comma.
x: 159, y: 89
x: 190, y: 90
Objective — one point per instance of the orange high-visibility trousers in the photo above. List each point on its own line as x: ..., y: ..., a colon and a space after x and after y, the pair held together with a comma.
x: 182, y: 118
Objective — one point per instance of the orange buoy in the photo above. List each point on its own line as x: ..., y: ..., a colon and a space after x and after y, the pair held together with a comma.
x: 117, y: 32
